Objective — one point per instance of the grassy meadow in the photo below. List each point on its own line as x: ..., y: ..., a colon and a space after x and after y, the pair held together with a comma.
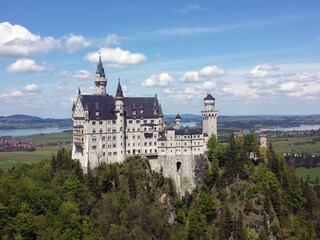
x: 294, y: 145
x: 41, y: 153
x: 312, y: 172
x: 12, y: 158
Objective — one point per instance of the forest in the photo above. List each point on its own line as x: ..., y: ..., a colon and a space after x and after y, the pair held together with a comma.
x: 236, y: 198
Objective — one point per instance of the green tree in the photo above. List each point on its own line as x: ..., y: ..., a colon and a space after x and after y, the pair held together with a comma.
x: 196, y: 225
x: 212, y: 145
x: 226, y: 224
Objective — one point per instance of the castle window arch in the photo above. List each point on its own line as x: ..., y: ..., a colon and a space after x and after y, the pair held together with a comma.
x: 178, y: 166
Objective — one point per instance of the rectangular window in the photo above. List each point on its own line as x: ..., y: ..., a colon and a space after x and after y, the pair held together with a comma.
x: 130, y: 121
x: 94, y: 147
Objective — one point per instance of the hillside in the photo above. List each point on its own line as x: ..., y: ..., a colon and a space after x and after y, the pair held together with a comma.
x: 21, y: 121
x: 226, y: 124
x: 236, y: 198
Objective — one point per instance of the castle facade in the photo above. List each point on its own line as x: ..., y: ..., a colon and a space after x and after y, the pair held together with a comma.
x: 110, y: 129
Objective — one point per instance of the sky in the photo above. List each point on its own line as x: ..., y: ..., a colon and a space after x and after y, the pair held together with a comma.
x: 256, y: 57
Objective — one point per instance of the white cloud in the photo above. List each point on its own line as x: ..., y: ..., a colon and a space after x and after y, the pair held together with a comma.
x: 31, y: 87
x: 113, y: 39
x: 116, y: 57
x: 16, y: 40
x: 168, y: 91
x: 199, y: 89
x: 206, y: 73
x: 263, y: 71
x: 82, y: 75
x: 13, y: 93
x: 191, y: 76
x: 208, y: 85
x: 210, y: 72
x: 75, y: 42
x: 289, y: 86
x: 25, y: 65
x: 306, y: 77
x: 192, y: 91
x: 21, y: 95
x: 160, y: 80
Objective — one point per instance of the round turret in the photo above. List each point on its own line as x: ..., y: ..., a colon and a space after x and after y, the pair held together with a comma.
x: 100, y: 81
x: 209, y: 102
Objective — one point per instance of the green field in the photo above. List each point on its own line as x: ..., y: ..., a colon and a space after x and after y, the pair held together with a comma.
x: 312, y: 172
x: 41, y: 153
x: 50, y: 138
x: 294, y: 145
x: 12, y: 158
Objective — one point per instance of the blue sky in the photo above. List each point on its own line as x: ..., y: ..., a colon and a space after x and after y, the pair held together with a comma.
x: 254, y: 57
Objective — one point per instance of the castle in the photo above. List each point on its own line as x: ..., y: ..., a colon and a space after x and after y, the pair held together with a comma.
x: 110, y: 129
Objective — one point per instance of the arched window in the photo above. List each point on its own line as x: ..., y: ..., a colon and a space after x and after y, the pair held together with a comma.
x: 178, y: 166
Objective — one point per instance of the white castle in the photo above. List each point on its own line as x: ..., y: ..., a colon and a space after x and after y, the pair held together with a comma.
x: 110, y: 129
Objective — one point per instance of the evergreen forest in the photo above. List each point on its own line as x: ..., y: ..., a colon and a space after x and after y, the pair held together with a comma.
x: 236, y: 198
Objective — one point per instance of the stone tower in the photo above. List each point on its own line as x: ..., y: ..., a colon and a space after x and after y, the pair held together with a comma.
x: 209, y: 116
x: 263, y: 140
x: 101, y: 81
x: 120, y: 124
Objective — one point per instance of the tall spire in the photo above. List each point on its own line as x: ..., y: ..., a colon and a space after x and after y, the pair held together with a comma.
x: 119, y: 90
x: 100, y: 81
x: 100, y: 68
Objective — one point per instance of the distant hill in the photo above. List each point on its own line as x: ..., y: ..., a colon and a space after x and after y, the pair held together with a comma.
x: 185, y: 118
x: 225, y: 123
x: 21, y: 121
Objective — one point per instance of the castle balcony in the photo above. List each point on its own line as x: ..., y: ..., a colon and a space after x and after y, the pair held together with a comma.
x: 78, y: 130
x: 78, y: 141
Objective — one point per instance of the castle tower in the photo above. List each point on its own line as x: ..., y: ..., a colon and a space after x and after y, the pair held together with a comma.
x: 263, y: 140
x: 209, y: 116
x: 177, y: 121
x: 120, y: 124
x: 100, y: 81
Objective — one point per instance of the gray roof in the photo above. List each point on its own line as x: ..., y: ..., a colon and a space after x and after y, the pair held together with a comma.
x: 188, y: 131
x: 119, y: 92
x: 178, y: 117
x: 100, y: 68
x: 148, y: 105
x: 105, y: 104
x: 209, y: 97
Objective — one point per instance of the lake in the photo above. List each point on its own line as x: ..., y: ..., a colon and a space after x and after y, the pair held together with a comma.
x: 30, y: 131
x: 287, y: 129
